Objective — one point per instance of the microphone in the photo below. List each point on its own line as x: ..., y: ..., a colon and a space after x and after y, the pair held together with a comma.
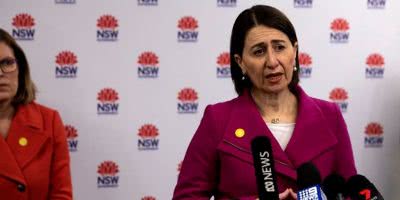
x: 360, y: 188
x: 264, y: 168
x: 308, y: 180
x: 334, y: 186
x: 307, y: 175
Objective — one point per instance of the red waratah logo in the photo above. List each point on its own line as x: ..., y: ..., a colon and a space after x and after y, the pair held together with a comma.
x: 66, y: 58
x: 375, y: 60
x: 148, y: 59
x: 72, y: 135
x: 374, y: 129
x: 107, y: 95
x: 223, y: 59
x: 305, y: 59
x: 23, y: 20
x: 338, y: 94
x: 187, y: 94
x: 148, y: 131
x: 108, y: 168
x: 107, y: 22
x: 340, y: 25
x: 71, y: 131
x: 223, y: 68
x: 187, y: 23
x: 148, y: 198
x: 148, y: 137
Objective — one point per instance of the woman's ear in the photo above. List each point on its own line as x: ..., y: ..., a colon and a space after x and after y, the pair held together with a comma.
x: 239, y: 61
x: 295, y: 47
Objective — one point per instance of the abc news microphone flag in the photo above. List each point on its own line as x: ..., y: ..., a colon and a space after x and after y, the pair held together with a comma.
x: 131, y: 80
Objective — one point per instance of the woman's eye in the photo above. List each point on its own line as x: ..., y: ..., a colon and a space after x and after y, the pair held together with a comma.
x: 258, y: 52
x: 280, y: 47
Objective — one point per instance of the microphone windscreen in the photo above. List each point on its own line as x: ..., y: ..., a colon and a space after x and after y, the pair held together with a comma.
x: 307, y: 176
x: 355, y: 184
x: 333, y: 185
x: 358, y: 187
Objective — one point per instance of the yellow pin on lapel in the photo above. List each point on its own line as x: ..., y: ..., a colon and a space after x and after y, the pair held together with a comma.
x: 23, y: 141
x: 239, y: 133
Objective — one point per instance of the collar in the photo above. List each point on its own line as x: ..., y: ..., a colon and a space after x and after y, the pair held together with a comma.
x: 29, y: 115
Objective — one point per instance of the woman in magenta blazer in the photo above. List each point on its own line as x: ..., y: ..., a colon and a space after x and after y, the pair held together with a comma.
x: 34, y: 160
x: 264, y: 67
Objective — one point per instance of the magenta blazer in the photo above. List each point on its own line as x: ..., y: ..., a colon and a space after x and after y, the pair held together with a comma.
x: 218, y: 163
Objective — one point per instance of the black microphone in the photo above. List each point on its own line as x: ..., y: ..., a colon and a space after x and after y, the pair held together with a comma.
x: 264, y: 168
x: 333, y: 187
x: 307, y: 175
x: 358, y: 187
x: 308, y: 183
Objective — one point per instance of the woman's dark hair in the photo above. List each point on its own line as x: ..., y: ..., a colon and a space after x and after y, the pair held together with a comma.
x: 258, y: 15
x: 26, y: 91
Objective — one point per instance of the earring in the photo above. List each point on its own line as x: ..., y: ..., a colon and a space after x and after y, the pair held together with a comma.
x: 243, y: 77
x: 295, y: 68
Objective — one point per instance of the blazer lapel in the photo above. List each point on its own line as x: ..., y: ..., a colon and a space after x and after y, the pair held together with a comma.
x: 246, y: 116
x: 312, y: 135
x: 27, y: 124
x: 9, y: 166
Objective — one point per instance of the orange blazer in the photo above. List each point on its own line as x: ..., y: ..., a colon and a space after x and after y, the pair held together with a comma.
x: 34, y: 158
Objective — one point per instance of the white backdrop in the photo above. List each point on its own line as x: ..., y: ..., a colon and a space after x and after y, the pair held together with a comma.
x: 104, y: 128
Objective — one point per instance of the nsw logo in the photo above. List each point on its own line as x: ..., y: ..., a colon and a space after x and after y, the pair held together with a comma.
x: 147, y: 2
x: 340, y: 31
x: 305, y: 62
x: 376, y: 4
x: 226, y: 3
x: 339, y: 96
x: 107, y: 104
x: 66, y: 65
x: 148, y: 65
x: 148, y: 198
x: 373, y: 135
x: 108, y: 177
x: 72, y: 139
x: 303, y: 3
x: 107, y: 28
x: 187, y: 101
x: 148, y: 140
x: 23, y: 27
x: 375, y: 66
x: 187, y: 29
x: 65, y: 1
x: 223, y: 65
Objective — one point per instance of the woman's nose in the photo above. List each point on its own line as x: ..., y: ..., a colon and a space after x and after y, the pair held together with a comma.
x: 271, y: 61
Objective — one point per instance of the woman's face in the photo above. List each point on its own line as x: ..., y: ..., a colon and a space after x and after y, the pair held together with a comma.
x: 268, y: 59
x: 8, y: 81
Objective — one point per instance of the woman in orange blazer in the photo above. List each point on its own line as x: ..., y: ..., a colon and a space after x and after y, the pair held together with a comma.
x: 34, y: 159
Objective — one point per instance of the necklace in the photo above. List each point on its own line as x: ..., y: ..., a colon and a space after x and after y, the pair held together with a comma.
x: 275, y: 120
